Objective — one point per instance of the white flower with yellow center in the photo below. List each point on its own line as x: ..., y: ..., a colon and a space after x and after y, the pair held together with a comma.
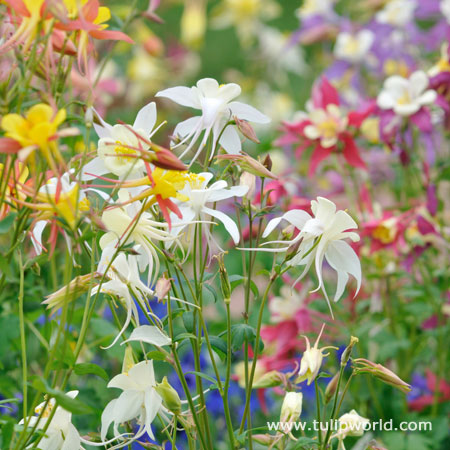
x: 322, y: 236
x: 139, y: 400
x: 326, y: 125
x: 130, y: 224
x: 120, y: 148
x: 406, y: 96
x: 197, y: 195
x: 353, y: 47
x: 60, y: 434
x: 217, y: 109
x: 397, y: 13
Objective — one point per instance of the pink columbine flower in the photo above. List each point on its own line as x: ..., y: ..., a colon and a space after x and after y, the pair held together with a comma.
x: 326, y: 127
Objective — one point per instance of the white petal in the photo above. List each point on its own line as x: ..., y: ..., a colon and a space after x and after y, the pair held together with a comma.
x: 222, y: 194
x: 72, y: 439
x: 323, y: 209
x: 150, y: 335
x: 122, y: 381
x: 152, y: 402
x: 36, y: 235
x: 208, y: 87
x: 182, y: 95
x: 418, y: 82
x: 230, y: 140
x: 406, y: 110
x: 385, y: 100
x: 271, y: 226
x: 143, y: 374
x: 128, y: 406
x: 187, y: 127
x: 427, y: 97
x: 247, y: 112
x: 342, y: 257
x: 107, y: 418
x: 230, y: 226
x: 229, y: 91
x: 297, y: 217
x: 92, y: 168
x: 103, y: 130
x: 311, y: 132
x: 146, y: 119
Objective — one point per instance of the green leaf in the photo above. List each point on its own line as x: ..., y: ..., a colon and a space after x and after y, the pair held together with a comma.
x: 219, y: 346
x: 304, y: 442
x: 7, y: 222
x: 211, y: 290
x: 188, y: 321
x: 7, y: 433
x: 236, y: 280
x: 156, y: 355
x: 202, y: 375
x: 240, y: 333
x: 89, y: 368
x: 72, y: 405
x: 181, y: 336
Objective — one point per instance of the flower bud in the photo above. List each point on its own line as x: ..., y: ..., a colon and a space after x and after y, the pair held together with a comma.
x: 362, y: 365
x: 246, y: 129
x: 291, y: 407
x: 162, y: 288
x: 68, y: 293
x: 169, y: 395
x: 89, y: 117
x: 331, y: 388
x: 249, y: 164
x: 347, y: 352
x: 267, y: 163
x: 351, y: 424
x: 269, y: 379
x: 249, y: 180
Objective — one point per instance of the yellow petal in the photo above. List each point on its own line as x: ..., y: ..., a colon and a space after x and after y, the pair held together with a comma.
x: 39, y: 113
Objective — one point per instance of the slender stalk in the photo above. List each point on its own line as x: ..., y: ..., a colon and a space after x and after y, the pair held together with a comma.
x: 23, y: 339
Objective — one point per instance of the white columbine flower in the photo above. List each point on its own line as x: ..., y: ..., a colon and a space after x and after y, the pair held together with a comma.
x: 129, y: 224
x: 322, y: 236
x: 405, y: 96
x: 397, y: 13
x: 217, y: 109
x: 119, y: 148
x: 139, y: 400
x: 60, y: 434
x: 197, y: 195
x: 123, y: 275
x: 353, y: 47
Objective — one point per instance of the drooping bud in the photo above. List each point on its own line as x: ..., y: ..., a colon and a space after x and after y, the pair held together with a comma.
x: 171, y: 399
x: 246, y: 129
x: 331, y: 388
x: 267, y: 163
x: 79, y: 285
x: 249, y: 164
x: 248, y: 179
x: 162, y: 288
x: 291, y: 407
x: 269, y: 379
x: 362, y: 365
x: 348, y: 351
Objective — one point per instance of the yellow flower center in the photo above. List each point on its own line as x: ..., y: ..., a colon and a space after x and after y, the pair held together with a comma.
x: 384, y: 232
x: 405, y: 99
x: 122, y: 151
x: 328, y: 128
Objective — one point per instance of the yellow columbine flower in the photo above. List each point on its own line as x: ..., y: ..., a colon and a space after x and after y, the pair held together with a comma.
x: 38, y: 129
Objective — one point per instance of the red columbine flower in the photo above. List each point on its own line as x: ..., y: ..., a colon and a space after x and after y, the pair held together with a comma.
x: 326, y: 127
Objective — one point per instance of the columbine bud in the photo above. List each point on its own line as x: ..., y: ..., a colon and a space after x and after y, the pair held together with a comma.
x: 169, y: 395
x: 269, y: 379
x: 331, y: 388
x: 311, y: 360
x: 267, y: 163
x: 291, y: 407
x: 89, y: 117
x: 224, y: 280
x: 162, y: 287
x: 76, y: 287
x: 249, y: 180
x: 128, y: 360
x: 246, y: 129
x: 351, y: 424
x: 348, y: 351
x: 249, y: 164
x: 362, y: 365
